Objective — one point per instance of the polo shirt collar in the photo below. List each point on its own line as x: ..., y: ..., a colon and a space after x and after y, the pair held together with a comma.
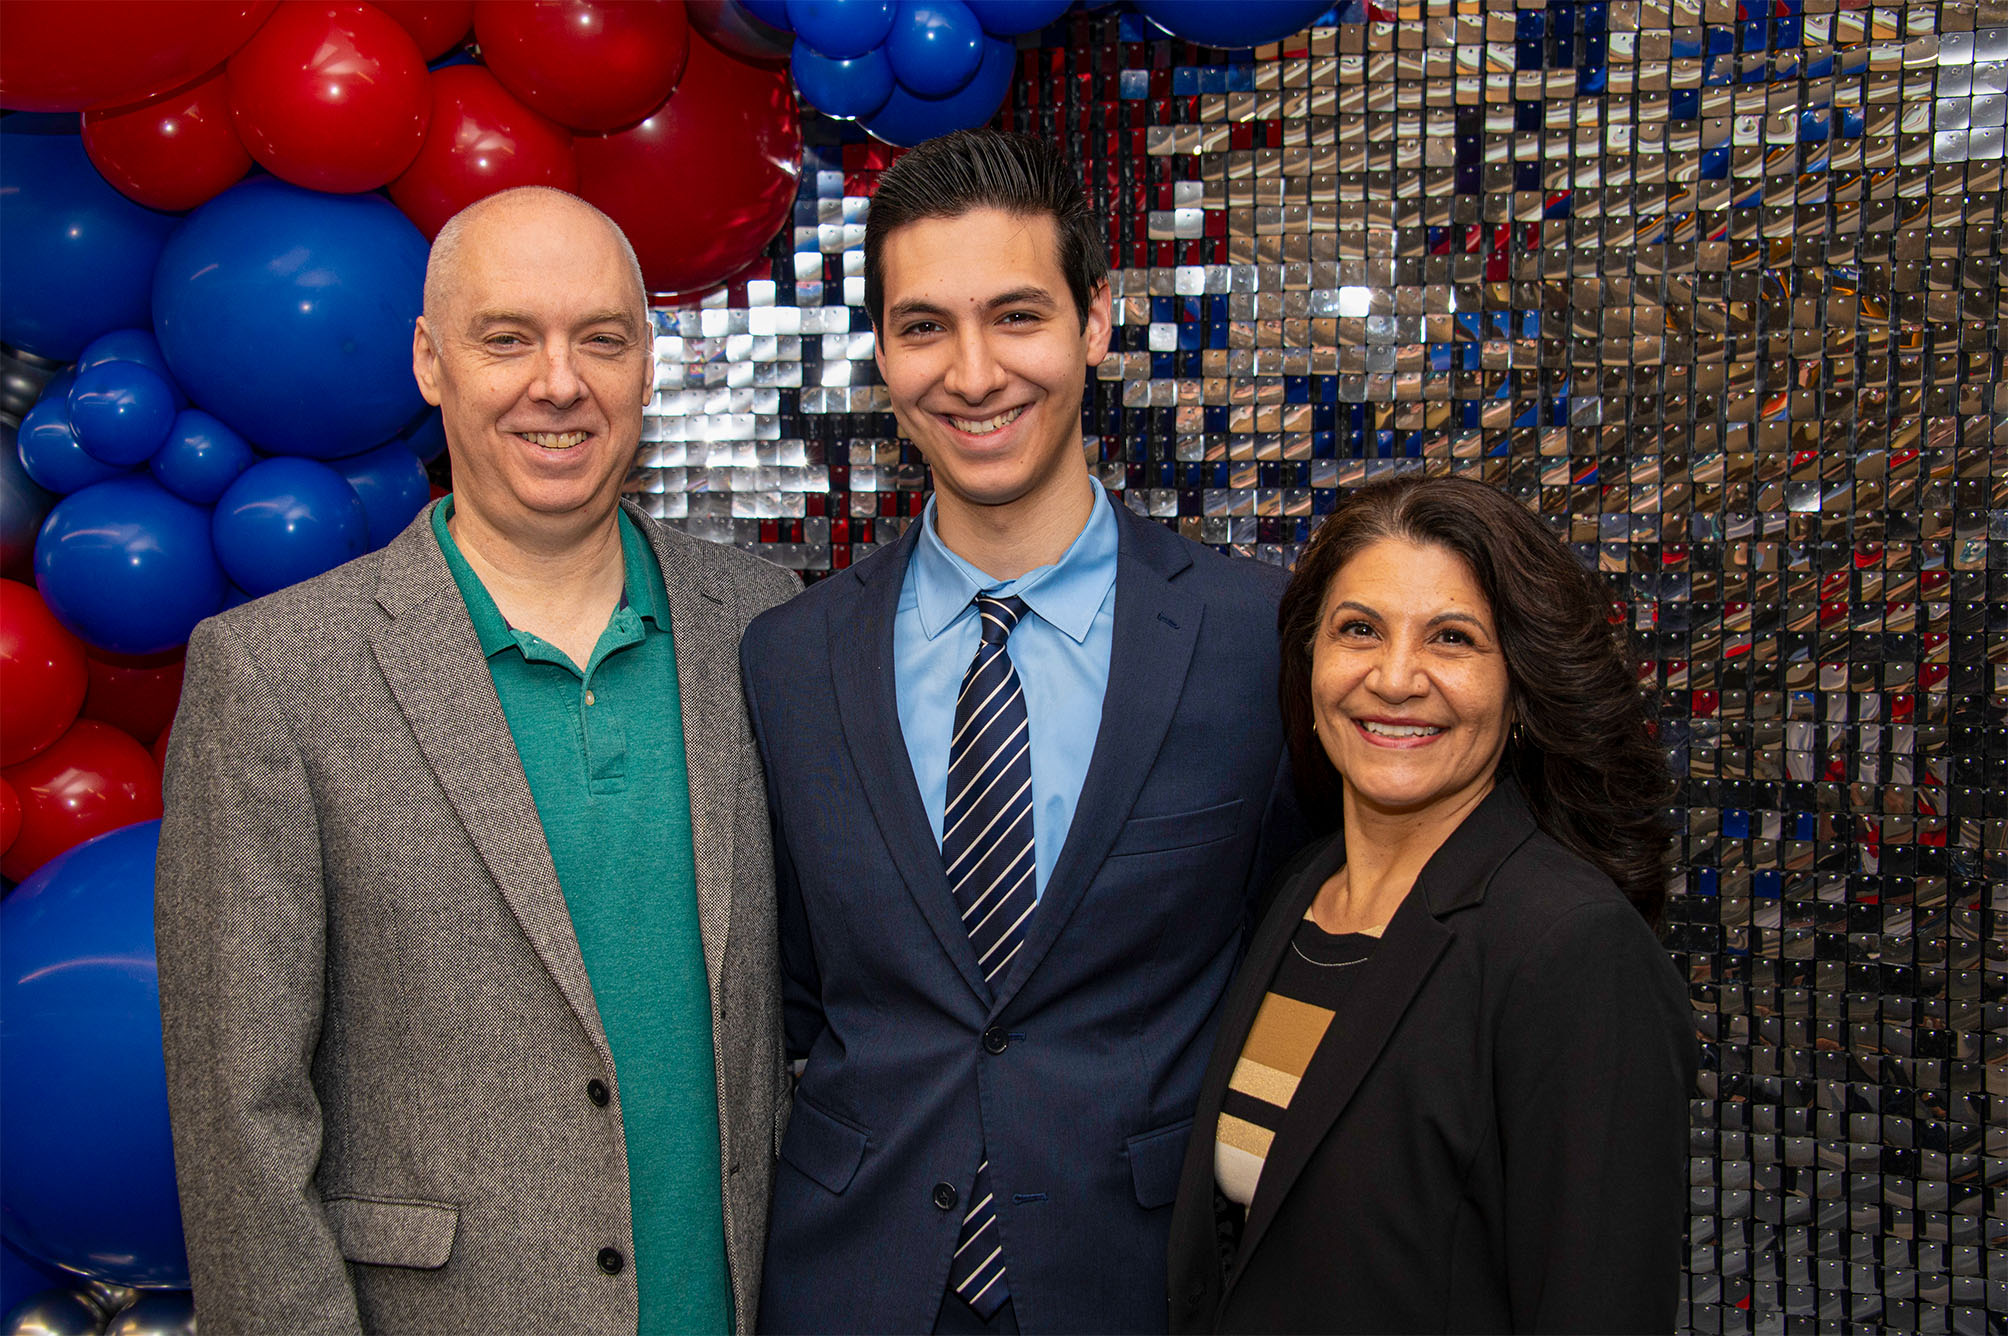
x: 1066, y: 594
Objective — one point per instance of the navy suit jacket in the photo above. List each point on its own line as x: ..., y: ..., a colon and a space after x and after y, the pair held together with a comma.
x: 1079, y: 1075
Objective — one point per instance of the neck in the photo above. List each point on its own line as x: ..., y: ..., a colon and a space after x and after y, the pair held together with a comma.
x: 559, y: 582
x: 1007, y: 540
x: 1386, y: 850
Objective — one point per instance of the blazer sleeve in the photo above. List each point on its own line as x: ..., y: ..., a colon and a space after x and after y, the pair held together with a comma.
x: 240, y: 932
x: 1595, y: 1063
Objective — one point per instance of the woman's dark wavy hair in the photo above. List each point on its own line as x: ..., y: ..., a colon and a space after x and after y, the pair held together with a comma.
x: 1585, y: 752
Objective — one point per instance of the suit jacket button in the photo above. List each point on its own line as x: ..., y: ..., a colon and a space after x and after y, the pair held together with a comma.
x: 995, y: 1040
x: 944, y: 1195
x: 611, y: 1261
x: 596, y: 1091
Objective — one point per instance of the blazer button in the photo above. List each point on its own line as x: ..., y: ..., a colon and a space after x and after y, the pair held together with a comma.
x: 944, y: 1196
x: 596, y: 1091
x: 611, y: 1261
x: 995, y: 1040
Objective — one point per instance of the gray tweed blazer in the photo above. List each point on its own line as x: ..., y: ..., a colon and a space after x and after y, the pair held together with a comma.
x: 385, y: 1067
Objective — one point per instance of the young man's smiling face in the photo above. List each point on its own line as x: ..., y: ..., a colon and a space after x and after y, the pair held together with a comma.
x: 985, y: 357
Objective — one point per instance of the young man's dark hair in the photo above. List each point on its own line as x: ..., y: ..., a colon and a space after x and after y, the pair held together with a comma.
x: 987, y: 169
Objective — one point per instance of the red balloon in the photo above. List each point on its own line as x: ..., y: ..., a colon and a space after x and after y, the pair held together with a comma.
x: 732, y: 126
x: 91, y: 780
x: 171, y: 152
x: 481, y: 140
x: 331, y: 96
x: 10, y: 815
x: 41, y: 673
x: 67, y: 57
x: 159, y: 747
x: 134, y: 700
x: 589, y: 64
x: 436, y: 25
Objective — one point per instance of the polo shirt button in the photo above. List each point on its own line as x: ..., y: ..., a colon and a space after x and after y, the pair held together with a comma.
x: 995, y: 1040
x: 611, y: 1261
x: 596, y: 1091
x: 944, y: 1196
x: 589, y: 698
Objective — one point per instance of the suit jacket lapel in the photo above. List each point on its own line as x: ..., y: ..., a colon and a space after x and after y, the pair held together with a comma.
x: 433, y: 664
x: 860, y: 637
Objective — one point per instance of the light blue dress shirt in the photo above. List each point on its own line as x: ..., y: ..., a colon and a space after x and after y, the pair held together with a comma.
x: 1060, y: 649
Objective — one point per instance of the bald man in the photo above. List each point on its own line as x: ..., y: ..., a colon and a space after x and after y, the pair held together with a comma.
x: 465, y: 903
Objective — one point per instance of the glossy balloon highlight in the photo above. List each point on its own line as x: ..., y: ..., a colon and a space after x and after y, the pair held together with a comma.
x: 170, y: 152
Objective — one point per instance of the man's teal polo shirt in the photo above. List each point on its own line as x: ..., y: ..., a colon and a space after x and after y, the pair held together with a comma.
x: 603, y: 751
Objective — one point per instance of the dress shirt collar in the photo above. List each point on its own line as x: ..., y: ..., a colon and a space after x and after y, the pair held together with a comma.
x: 1067, y: 594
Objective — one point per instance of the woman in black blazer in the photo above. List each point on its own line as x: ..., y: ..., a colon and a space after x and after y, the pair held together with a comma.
x: 1450, y: 1087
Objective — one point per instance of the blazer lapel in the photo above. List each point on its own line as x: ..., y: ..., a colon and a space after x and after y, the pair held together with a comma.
x: 433, y: 664
x: 860, y: 637
x: 1156, y: 627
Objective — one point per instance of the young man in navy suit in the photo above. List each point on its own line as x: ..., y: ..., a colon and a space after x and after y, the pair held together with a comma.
x: 1025, y: 769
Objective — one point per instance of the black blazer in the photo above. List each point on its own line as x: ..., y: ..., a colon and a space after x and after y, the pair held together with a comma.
x: 1492, y: 1135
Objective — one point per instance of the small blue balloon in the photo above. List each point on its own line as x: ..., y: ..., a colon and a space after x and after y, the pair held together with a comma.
x: 845, y: 89
x: 130, y: 345
x: 1242, y: 23
x: 935, y: 46
x: 426, y: 438
x: 906, y: 120
x: 49, y: 450
x: 87, y: 1162
x: 286, y: 520
x: 773, y: 13
x: 840, y: 29
x: 121, y: 412
x: 128, y: 565
x: 1008, y: 18
x: 200, y: 458
x: 392, y: 485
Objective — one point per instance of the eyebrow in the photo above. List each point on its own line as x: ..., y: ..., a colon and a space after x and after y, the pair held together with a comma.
x: 1438, y: 620
x: 1029, y: 295
x: 610, y: 316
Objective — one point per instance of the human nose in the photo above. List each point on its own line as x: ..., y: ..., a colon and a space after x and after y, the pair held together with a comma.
x: 973, y: 373
x: 557, y: 381
x: 1397, y: 673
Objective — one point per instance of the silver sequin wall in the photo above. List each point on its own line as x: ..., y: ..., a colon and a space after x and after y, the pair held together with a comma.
x: 1713, y: 287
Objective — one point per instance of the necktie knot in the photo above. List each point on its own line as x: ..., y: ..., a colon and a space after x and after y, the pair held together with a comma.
x: 999, y: 616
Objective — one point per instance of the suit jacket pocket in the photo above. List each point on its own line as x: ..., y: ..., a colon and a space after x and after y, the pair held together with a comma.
x: 823, y: 1146
x: 1178, y: 830
x: 380, y: 1231
x: 1156, y: 1160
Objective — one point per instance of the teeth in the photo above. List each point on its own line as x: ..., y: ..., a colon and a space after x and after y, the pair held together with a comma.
x: 1399, y: 730
x: 553, y: 440
x: 986, y: 425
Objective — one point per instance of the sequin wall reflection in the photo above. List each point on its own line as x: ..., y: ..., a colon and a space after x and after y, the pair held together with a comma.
x: 1714, y: 287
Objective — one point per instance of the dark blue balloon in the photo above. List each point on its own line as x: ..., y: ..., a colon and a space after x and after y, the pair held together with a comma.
x: 1008, y: 18
x: 23, y: 503
x: 935, y: 46
x: 289, y: 314
x: 128, y: 566
x: 22, y: 1276
x: 426, y: 438
x: 392, y: 485
x: 906, y: 119
x: 48, y: 446
x: 130, y: 345
x: 286, y: 520
x: 840, y: 29
x: 1242, y: 23
x: 773, y: 13
x: 86, y: 1165
x: 201, y: 457
x: 76, y: 257
x: 846, y: 89
x: 121, y: 412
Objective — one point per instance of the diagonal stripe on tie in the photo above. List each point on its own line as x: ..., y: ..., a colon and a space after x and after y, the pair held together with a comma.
x: 986, y: 845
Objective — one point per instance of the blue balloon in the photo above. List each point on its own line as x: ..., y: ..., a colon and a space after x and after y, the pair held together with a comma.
x: 201, y: 458
x: 48, y: 446
x: 76, y: 257
x: 1242, y: 23
x: 286, y: 520
x: 426, y: 438
x: 392, y: 485
x: 22, y: 1276
x: 23, y: 503
x: 121, y: 412
x: 128, y: 566
x: 773, y: 13
x: 845, y: 89
x: 840, y: 29
x: 1008, y: 18
x: 936, y: 47
x: 86, y: 1165
x: 906, y: 119
x: 130, y: 345
x: 289, y: 314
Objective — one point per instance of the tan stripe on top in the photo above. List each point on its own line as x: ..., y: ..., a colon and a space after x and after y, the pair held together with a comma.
x: 1285, y: 1035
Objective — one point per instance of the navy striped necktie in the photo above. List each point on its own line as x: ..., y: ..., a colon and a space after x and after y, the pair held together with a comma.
x: 986, y: 843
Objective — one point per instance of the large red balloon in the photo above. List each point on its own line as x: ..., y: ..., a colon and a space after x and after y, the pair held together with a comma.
x: 481, y: 140
x: 41, y: 673
x: 58, y: 56
x: 133, y: 699
x: 436, y: 25
x: 589, y: 64
x: 93, y: 779
x: 171, y: 152
x: 10, y: 815
x: 701, y: 186
x: 331, y: 96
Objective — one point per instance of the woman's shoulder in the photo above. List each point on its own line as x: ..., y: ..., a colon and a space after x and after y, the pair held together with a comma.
x: 1544, y: 890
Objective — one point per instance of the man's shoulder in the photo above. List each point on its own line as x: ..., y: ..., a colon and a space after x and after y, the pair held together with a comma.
x: 328, y: 609
x: 1206, y: 571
